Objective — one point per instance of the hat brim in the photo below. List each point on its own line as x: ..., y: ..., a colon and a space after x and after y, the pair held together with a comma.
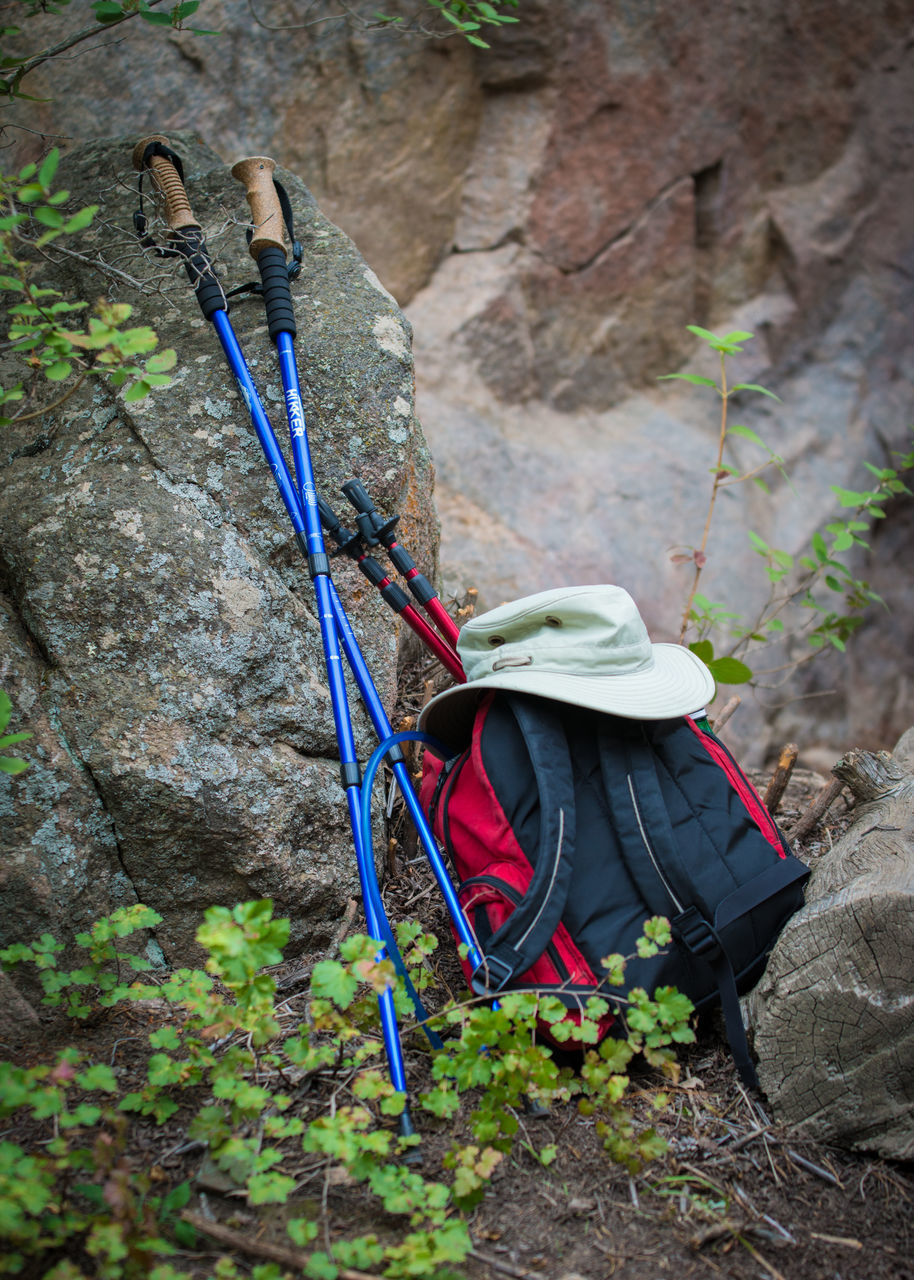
x: 677, y: 683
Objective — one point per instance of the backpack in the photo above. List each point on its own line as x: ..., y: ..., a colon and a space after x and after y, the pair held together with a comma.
x: 567, y: 828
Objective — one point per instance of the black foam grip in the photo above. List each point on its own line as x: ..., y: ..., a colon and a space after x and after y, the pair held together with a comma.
x: 210, y: 295
x: 209, y: 291
x: 277, y: 295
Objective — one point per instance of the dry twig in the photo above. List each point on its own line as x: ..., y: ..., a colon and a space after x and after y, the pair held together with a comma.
x: 774, y: 793
x: 817, y: 810
x: 285, y: 1255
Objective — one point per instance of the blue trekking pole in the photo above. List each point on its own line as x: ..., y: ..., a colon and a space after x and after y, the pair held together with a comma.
x: 267, y: 247
x: 154, y: 155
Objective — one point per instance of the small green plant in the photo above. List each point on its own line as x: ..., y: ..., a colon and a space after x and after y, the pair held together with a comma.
x: 101, y: 973
x: 41, y: 332
x: 10, y: 764
x: 816, y: 597
x: 466, y: 18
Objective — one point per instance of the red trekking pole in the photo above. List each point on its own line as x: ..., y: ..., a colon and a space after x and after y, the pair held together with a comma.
x: 376, y: 530
x: 351, y: 544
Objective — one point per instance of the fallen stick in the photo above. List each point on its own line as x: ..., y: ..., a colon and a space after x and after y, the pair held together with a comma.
x: 774, y: 793
x: 726, y: 712
x: 817, y: 810
x: 285, y: 1255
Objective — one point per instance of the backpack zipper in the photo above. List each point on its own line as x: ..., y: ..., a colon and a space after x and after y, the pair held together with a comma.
x: 650, y: 852
x: 444, y: 797
x: 744, y: 789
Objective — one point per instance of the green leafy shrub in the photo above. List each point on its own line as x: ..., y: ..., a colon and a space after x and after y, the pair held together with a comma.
x: 817, y: 597
x: 41, y: 332
x: 261, y: 1102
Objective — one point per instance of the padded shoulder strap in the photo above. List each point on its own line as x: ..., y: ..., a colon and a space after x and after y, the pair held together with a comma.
x: 655, y: 863
x: 640, y: 815
x: 523, y: 937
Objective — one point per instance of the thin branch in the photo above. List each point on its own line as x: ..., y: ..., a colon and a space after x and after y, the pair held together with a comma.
x: 49, y: 408
x: 748, y: 475
x: 98, y: 263
x: 717, y: 482
x: 56, y: 50
x: 283, y: 1254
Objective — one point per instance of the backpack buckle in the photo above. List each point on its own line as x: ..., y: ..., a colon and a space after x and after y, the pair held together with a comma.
x: 695, y: 933
x: 491, y: 974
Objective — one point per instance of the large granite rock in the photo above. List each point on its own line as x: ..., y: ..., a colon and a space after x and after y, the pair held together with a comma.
x: 158, y: 631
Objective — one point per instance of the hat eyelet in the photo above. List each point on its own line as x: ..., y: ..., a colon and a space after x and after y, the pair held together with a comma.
x: 552, y: 621
x: 495, y: 641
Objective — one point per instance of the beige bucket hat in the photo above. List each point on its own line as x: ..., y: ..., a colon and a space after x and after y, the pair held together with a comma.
x: 587, y: 646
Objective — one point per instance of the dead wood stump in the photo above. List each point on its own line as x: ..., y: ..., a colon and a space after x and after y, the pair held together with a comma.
x: 833, y: 1016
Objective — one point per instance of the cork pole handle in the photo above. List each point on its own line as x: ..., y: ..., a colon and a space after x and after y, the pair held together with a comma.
x: 178, y: 213
x: 256, y: 175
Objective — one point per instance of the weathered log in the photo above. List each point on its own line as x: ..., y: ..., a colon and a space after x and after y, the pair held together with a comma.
x: 833, y: 1016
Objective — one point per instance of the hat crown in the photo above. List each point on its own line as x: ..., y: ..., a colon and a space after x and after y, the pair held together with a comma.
x: 590, y: 630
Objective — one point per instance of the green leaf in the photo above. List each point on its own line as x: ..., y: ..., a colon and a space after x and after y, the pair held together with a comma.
x: 302, y: 1231
x: 705, y: 334
x: 162, y: 361
x: 49, y: 167
x: 753, y: 386
x: 851, y: 498
x: 165, y: 1038
x: 332, y: 981
x: 747, y: 434
x: 729, y: 671
x: 81, y: 219
x: 689, y: 377
x: 107, y: 11
x: 49, y: 217
x: 99, y: 1076
x: 11, y: 765
x: 703, y: 649
x: 320, y: 1267
x: 270, y: 1188
x: 57, y: 371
